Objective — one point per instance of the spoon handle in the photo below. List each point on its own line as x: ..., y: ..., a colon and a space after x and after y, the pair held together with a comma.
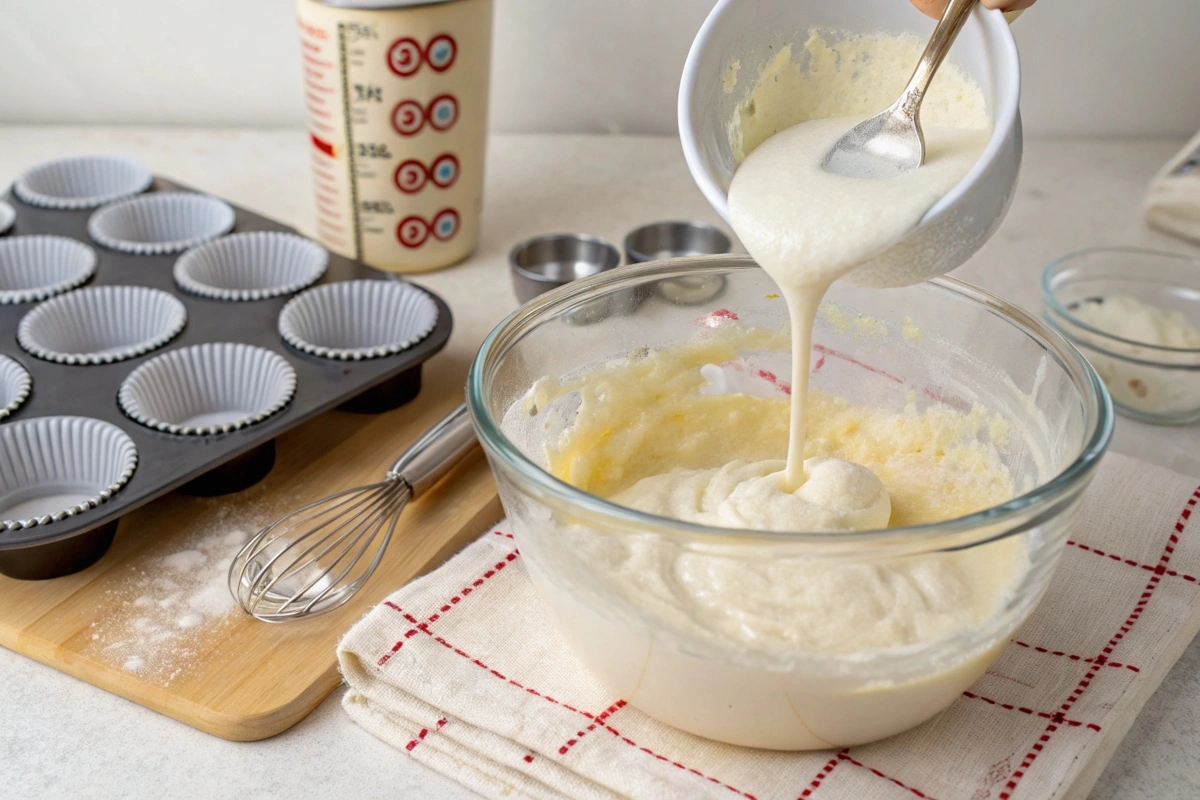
x: 952, y: 21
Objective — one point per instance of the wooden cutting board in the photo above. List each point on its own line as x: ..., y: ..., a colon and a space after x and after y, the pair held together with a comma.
x: 239, y: 678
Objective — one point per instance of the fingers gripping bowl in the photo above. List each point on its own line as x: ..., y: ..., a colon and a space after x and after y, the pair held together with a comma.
x: 941, y: 344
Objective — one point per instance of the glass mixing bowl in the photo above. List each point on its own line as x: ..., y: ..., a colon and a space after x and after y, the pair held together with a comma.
x: 1150, y: 383
x: 942, y: 341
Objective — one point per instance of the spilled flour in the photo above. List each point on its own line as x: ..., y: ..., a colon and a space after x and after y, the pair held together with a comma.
x: 162, y: 615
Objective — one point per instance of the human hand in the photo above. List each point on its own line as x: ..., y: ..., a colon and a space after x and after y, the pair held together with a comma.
x: 934, y: 8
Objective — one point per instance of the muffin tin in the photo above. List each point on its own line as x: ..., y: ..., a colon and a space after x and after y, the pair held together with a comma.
x: 152, y: 377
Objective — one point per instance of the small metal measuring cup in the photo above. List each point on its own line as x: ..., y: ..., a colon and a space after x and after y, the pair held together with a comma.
x: 547, y: 262
x: 660, y: 240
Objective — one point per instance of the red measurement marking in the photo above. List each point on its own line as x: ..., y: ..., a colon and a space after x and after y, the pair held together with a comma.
x: 412, y: 232
x: 715, y: 318
x: 828, y: 351
x: 317, y: 61
x: 404, y: 57
x: 322, y: 145
x: 408, y: 117
x: 410, y: 176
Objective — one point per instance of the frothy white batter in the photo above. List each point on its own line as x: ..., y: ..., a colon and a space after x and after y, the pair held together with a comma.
x: 808, y: 227
x: 836, y: 496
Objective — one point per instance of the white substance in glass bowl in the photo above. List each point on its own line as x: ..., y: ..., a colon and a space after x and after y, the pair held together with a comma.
x: 1130, y: 373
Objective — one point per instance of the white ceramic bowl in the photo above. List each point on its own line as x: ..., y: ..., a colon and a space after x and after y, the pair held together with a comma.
x: 752, y: 31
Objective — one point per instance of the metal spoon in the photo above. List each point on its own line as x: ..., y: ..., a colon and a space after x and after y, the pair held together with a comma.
x: 891, y: 142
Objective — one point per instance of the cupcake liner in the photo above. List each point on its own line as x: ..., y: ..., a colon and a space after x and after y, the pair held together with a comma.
x: 15, y: 385
x: 101, y: 324
x: 7, y: 217
x: 355, y: 320
x: 33, y: 268
x: 166, y: 222
x: 52, y: 468
x: 207, y: 389
x: 82, y: 181
x: 251, y: 266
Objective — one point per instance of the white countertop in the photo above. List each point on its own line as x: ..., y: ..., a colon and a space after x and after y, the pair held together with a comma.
x: 62, y: 736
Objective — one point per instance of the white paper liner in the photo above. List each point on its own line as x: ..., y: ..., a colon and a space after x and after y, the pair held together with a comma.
x: 15, y: 385
x: 52, y: 468
x: 101, y: 324
x: 165, y: 222
x: 251, y: 266
x: 82, y: 181
x: 355, y: 320
x: 33, y: 268
x: 8, y: 216
x: 208, y: 388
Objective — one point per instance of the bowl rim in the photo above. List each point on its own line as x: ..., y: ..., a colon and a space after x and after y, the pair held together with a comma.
x: 1097, y: 401
x: 1052, y: 303
x: 1005, y: 116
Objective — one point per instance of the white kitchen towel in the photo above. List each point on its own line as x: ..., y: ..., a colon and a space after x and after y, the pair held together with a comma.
x: 1173, y: 200
x: 464, y: 671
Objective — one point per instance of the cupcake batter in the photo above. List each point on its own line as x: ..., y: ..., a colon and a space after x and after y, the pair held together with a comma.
x: 784, y: 648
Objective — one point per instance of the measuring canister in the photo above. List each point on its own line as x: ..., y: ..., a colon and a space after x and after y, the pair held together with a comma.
x: 397, y: 95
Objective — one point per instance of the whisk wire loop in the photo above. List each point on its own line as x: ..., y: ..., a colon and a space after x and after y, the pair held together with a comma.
x: 314, y: 559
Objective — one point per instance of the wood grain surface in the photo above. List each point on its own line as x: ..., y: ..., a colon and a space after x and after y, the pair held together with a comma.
x: 239, y: 678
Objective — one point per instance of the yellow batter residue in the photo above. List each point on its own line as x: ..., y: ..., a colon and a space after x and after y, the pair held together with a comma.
x: 842, y: 75
x: 647, y: 415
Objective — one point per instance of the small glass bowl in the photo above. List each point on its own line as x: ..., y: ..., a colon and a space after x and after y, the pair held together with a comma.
x: 1160, y: 385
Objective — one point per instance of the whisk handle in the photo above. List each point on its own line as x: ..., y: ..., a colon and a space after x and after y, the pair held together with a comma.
x: 436, y: 452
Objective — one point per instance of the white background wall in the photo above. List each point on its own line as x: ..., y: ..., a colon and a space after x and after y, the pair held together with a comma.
x: 1102, y: 67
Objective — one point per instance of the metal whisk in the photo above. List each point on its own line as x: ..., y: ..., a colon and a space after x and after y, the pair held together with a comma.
x: 314, y: 559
